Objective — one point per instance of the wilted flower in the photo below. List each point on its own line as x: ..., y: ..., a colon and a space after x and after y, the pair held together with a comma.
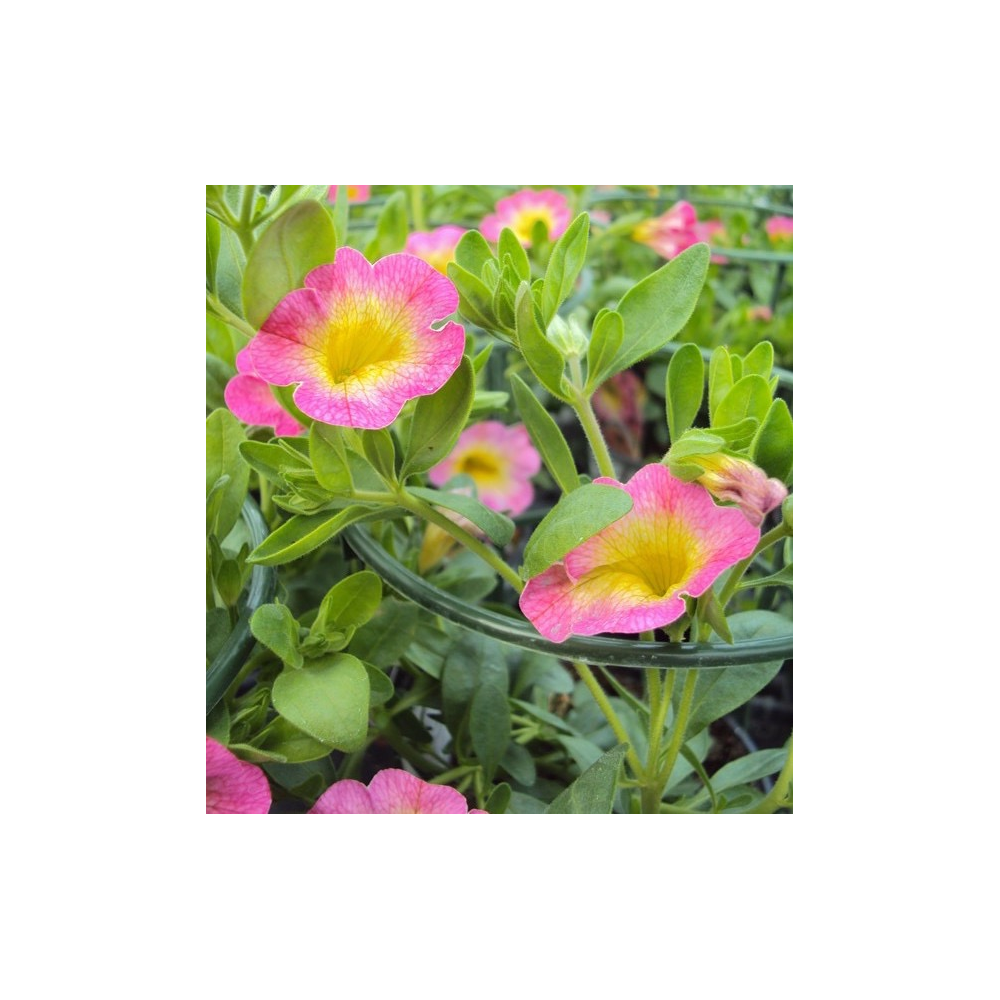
x: 634, y: 574
x: 355, y: 192
x: 392, y: 791
x: 358, y: 338
x: 250, y: 398
x: 232, y: 785
x: 521, y: 211
x: 676, y: 230
x: 436, y: 247
x: 736, y: 479
x: 618, y: 404
x: 500, y: 459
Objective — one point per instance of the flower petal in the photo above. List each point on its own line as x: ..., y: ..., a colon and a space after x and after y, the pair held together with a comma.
x: 233, y: 785
x: 396, y: 791
x: 345, y: 796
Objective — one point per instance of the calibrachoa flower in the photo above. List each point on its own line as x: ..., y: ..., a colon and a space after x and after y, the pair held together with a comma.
x: 500, y: 459
x: 618, y: 404
x: 251, y: 399
x: 355, y: 192
x: 392, y: 791
x: 521, y: 211
x: 436, y: 247
x: 676, y: 230
x: 232, y: 785
x: 634, y: 574
x: 779, y: 230
x: 358, y: 338
x: 730, y: 477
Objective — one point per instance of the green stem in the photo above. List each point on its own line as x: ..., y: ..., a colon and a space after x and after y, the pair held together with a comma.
x: 416, y: 506
x: 455, y: 772
x: 774, y: 535
x: 588, y: 421
x: 417, y: 206
x: 778, y: 797
x: 597, y: 692
x: 245, y: 229
x: 228, y: 316
x: 680, y: 728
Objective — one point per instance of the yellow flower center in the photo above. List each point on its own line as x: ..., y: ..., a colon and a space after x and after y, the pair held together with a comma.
x: 661, y: 564
x: 356, y: 343
x: 525, y: 222
x: 481, y: 465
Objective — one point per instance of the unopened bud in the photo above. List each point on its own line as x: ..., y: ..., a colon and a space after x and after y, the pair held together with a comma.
x: 568, y: 336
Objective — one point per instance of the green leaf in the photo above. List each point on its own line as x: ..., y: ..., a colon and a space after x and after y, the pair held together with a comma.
x: 327, y: 699
x: 475, y: 300
x: 749, y: 397
x: 391, y: 228
x: 499, y: 799
x: 489, y: 727
x: 655, y: 310
x: 283, y: 739
x: 223, y: 436
x: 719, y: 692
x: 772, y: 447
x: 565, y: 263
x: 498, y: 526
x: 509, y: 247
x: 519, y: 764
x: 229, y: 271
x: 594, y: 790
x: 384, y: 638
x: 329, y: 458
x: 783, y: 578
x: 752, y: 767
x: 605, y: 342
x: 382, y: 688
x: 472, y: 252
x: 539, y: 352
x: 473, y: 662
x: 711, y: 611
x: 739, y: 433
x: 297, y: 241
x: 438, y: 420
x: 685, y: 389
x: 275, y: 627
x: 720, y: 379
x: 213, y: 241
x: 695, y: 441
x: 760, y: 360
x: 305, y: 532
x: 349, y: 603
x: 575, y: 518
x: 380, y: 451
x: 272, y: 460
x: 546, y: 436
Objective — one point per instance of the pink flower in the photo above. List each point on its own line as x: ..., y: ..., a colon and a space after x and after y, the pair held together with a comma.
x: 676, y: 230
x: 521, y: 211
x: 251, y: 399
x: 355, y: 192
x: 233, y: 785
x: 779, y: 230
x: 634, y: 574
x: 500, y: 459
x: 436, y: 247
x: 738, y: 480
x: 618, y: 404
x: 392, y: 791
x: 358, y: 338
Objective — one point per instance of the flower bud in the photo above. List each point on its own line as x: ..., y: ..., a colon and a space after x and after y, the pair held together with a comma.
x: 568, y: 336
x: 729, y: 477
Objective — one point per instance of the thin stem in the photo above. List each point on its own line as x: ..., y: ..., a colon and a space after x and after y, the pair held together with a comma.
x: 588, y: 421
x: 227, y: 315
x: 778, y: 797
x: 426, y: 511
x: 417, y: 205
x: 597, y: 692
x: 680, y: 726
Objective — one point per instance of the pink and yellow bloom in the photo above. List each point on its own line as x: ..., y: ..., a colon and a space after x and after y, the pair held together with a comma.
x: 250, y: 398
x: 500, y: 459
x: 358, y: 338
x: 392, y: 791
x: 355, y: 192
x: 436, y: 247
x: 676, y: 230
x: 521, y: 211
x: 779, y: 230
x: 232, y: 785
x: 737, y: 480
x: 634, y: 574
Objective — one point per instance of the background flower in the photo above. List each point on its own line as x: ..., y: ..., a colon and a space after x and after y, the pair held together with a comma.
x: 355, y: 192
x: 634, y: 574
x: 358, y: 338
x: 521, y: 211
x: 436, y: 247
x: 677, y: 229
x: 779, y: 230
x: 392, y: 791
x: 232, y: 785
x: 500, y: 458
x: 250, y: 398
